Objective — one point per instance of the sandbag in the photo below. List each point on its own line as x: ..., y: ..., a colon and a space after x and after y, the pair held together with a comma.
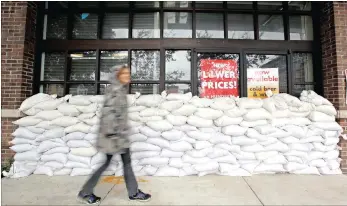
x: 27, y: 156
x: 54, y: 165
x: 230, y: 148
x: 36, y: 129
x: 327, y: 109
x: 92, y: 108
x: 171, y: 105
x: 201, y: 102
x: 202, y: 145
x: 316, y: 116
x: 197, y: 153
x: 151, y: 100
x: 145, y: 154
x: 162, y: 143
x: 176, y: 120
x: 177, y: 163
x: 57, y: 132
x: 19, y: 140
x: 248, y: 103
x: 78, y: 143
x: 35, y: 100
x: 199, y: 122
x: 226, y: 121
x: 148, y: 112
x: 277, y: 146
x: 75, y: 158
x: 253, y: 148
x: 149, y: 132
x: 205, y: 167
x: 223, y: 104
x: 155, y: 161
x: 180, y: 146
x: 218, y: 152
x: 243, y: 140
x: 27, y: 121
x: 48, y: 145
x: 265, y: 129
x: 43, y: 170
x: 68, y: 110
x: 208, y: 113
x: 136, y: 108
x: 234, y: 130
x: 167, y: 171
x: 185, y: 110
x: 256, y: 123
x: 265, y: 168
x: 62, y: 172
x: 59, y: 149
x: 84, y: 152
x: 277, y: 159
x: 173, y: 135
x: 80, y: 127
x: 143, y: 146
x: 24, y: 133
x: 170, y: 154
x: 235, y: 112
x: 81, y: 172
x: 199, y: 135
x: 49, y: 115
x: 220, y: 138
x: 137, y: 138
x: 22, y: 148
x: 160, y: 126
x: 74, y: 136
x: 45, y: 125
x: 191, y: 160
x: 257, y: 114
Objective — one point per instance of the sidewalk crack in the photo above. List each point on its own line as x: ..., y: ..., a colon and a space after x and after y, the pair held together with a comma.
x: 261, y: 202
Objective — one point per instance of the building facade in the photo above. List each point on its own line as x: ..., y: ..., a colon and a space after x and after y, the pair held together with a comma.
x: 68, y: 48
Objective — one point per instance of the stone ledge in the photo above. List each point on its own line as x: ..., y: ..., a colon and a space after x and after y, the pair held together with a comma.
x: 11, y: 113
x: 341, y: 114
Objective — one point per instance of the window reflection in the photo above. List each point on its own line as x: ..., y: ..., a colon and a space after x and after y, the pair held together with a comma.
x: 145, y: 65
x: 82, y: 89
x: 271, y: 27
x: 83, y: 65
x: 53, y: 66
x: 177, y: 65
x: 85, y: 26
x: 109, y: 59
x: 301, y: 28
x: 240, y: 26
x: 144, y: 88
x: 177, y: 88
x: 115, y: 26
x: 209, y: 25
x: 303, y: 67
x: 57, y: 89
x: 177, y: 25
x: 146, y: 25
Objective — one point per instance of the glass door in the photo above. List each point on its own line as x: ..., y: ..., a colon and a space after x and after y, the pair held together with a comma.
x: 218, y: 74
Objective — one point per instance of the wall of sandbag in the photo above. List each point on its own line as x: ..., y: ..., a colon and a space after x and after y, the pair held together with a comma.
x: 179, y: 135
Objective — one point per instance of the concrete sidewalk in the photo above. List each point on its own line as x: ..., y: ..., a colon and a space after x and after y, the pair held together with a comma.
x: 208, y: 190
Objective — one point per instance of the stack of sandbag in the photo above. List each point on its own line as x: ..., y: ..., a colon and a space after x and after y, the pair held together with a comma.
x: 180, y: 135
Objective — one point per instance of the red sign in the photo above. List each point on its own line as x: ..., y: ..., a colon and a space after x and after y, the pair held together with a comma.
x: 219, y: 78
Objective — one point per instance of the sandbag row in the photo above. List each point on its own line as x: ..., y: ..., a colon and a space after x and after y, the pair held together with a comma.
x: 180, y: 135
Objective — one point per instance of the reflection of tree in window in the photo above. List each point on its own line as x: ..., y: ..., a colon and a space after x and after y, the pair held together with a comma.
x: 85, y: 26
x: 56, y: 26
x: 177, y: 68
x: 145, y: 65
x: 54, y: 66
x: 83, y: 66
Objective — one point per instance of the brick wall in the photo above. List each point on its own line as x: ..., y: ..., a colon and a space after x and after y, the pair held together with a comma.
x: 18, y: 29
x: 334, y: 53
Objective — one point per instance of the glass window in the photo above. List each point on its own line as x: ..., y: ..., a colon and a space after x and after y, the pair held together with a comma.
x: 85, y: 26
x: 240, y: 4
x: 177, y: 88
x: 57, y: 89
x: 146, y: 25
x: 82, y: 89
x: 271, y: 27
x: 240, y: 26
x: 144, y: 88
x: 301, y: 28
x: 209, y: 4
x: 177, y: 65
x: 209, y: 25
x: 116, y: 4
x: 103, y: 88
x: 145, y: 65
x: 147, y: 4
x: 270, y: 5
x: 177, y: 25
x: 298, y: 88
x: 56, y: 26
x: 115, y: 26
x: 83, y: 65
x: 303, y: 67
x: 109, y: 59
x: 299, y: 5
x: 57, y: 4
x: 87, y: 4
x: 52, y: 68
x: 177, y: 4
x: 254, y: 61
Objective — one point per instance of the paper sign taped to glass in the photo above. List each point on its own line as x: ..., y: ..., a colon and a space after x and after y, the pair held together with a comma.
x: 219, y: 78
x: 260, y: 80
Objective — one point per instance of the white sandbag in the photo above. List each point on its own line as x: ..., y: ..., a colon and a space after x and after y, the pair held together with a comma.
x: 27, y: 156
x: 22, y: 148
x: 318, y: 163
x: 279, y: 122
x: 327, y: 109
x: 54, y: 165
x: 208, y: 113
x: 32, y: 111
x: 81, y: 172
x: 299, y: 121
x: 176, y: 120
x: 75, y: 158
x: 186, y: 128
x: 49, y: 105
x: 313, y: 155
x: 225, y: 168
x: 223, y: 104
x: 311, y: 139
x: 327, y: 171
x: 331, y: 126
x: 160, y: 126
x: 59, y: 149
x: 307, y: 171
x: 202, y: 145
x: 199, y: 122
x: 131, y: 98
x: 218, y: 152
x: 137, y: 138
x: 177, y: 163
x: 201, y: 102
x: 46, y: 125
x: 148, y: 112
x: 58, y: 157
x: 316, y: 116
x: 19, y: 140
x: 250, y: 167
x: 279, y: 133
x: 205, y: 167
x: 191, y: 160
x: 62, y: 172
x: 98, y: 158
x: 329, y: 134
x: 43, y: 170
x: 245, y: 155
x: 27, y: 121
x: 333, y: 164
x: 331, y: 155
x: 266, y: 168
x: 257, y: 114
x: 24, y: 133
x: 74, y: 136
x: 200, y: 153
x: 277, y: 159
x: 243, y: 140
x: 92, y: 121
x: 89, y: 136
x: 171, y: 105
x: 331, y: 141
x: 36, y: 129
x: 248, y: 103
x: 182, y: 97
x: 269, y: 105
x: 265, y: 129
x: 52, y: 134
x: 155, y: 161
x: 185, y: 110
x: 254, y: 134
x: 84, y: 152
x: 49, y: 115
x: 187, y: 171
x: 151, y: 100
x: 231, y: 159
x: 80, y: 127
x: 68, y: 110
x: 299, y: 114
x: 220, y: 138
x: 149, y: 132
x: 180, y: 146
x: 78, y: 143
x: 296, y: 131
x: 48, y: 145
x: 293, y: 166
x: 173, y: 135
x: 252, y: 148
x: 170, y: 154
x: 88, y: 109
x: 248, y: 124
x: 268, y: 141
x: 133, y: 130
x: 143, y: 146
x: 97, y: 99
x: 144, y: 154
x: 34, y: 100
x: 160, y: 142
x: 226, y: 121
x: 234, y: 130
x: 278, y: 146
x: 295, y: 159
x: 300, y: 147
x: 238, y: 173
x: 167, y: 172
x: 235, y: 112
x: 198, y: 135
x: 290, y: 140
x: 230, y: 148
x: 80, y: 100
x: 296, y: 153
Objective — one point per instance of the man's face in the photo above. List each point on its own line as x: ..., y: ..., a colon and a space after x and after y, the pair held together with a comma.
x: 124, y: 76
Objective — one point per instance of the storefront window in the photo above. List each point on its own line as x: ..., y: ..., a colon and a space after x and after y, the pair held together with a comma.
x: 82, y: 89
x: 177, y: 4
x: 145, y: 65
x: 147, y: 4
x: 83, y: 65
x: 299, y: 5
x: 301, y: 28
x: 303, y: 67
x: 240, y: 26
x: 111, y: 59
x: 57, y: 89
x: 85, y: 26
x: 87, y: 4
x: 240, y: 4
x: 116, y: 4
x: 115, y: 26
x: 144, y: 88
x: 270, y: 5
x: 177, y: 65
x: 55, y: 26
x: 209, y: 25
x: 209, y: 4
x: 177, y: 25
x: 177, y: 88
x: 271, y: 27
x: 52, y: 67
x: 146, y: 25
